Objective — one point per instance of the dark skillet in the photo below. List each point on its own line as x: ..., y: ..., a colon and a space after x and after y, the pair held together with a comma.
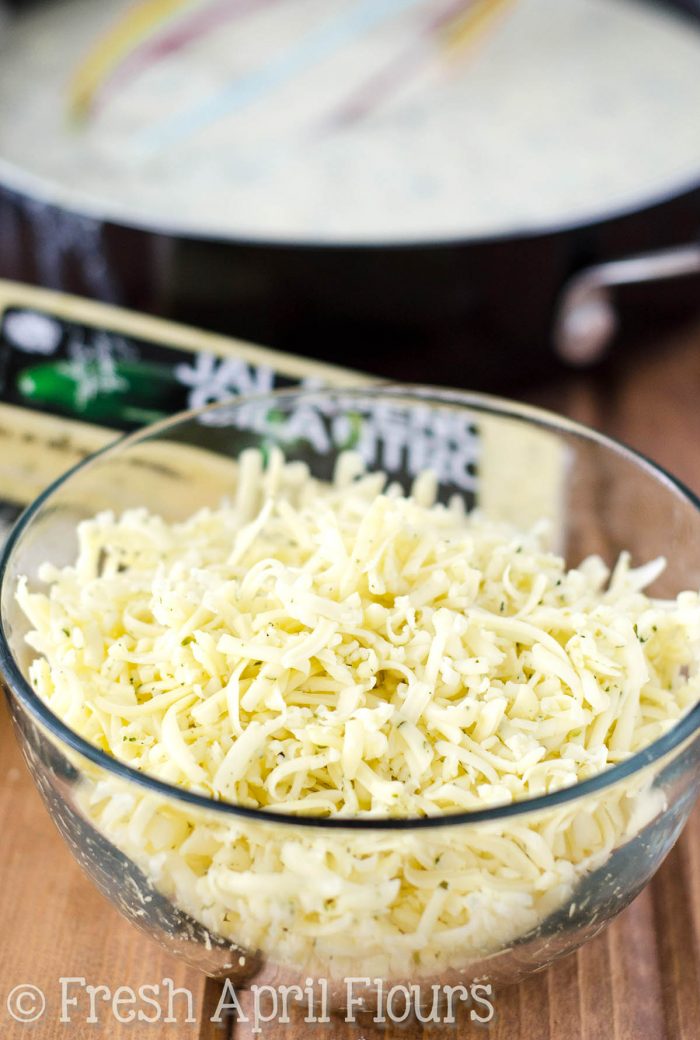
x: 479, y: 312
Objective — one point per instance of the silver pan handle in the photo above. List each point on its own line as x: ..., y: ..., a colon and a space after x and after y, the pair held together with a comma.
x: 586, y: 319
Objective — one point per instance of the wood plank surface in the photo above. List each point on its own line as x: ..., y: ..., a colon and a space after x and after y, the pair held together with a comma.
x: 638, y: 980
x: 54, y: 924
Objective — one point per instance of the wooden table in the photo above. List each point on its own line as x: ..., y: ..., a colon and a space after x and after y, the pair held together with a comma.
x: 639, y: 980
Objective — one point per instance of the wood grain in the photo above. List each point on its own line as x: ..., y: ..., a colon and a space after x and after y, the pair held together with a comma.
x: 54, y: 924
x: 638, y: 980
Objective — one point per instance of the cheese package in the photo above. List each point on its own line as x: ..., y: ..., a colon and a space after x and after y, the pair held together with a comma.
x: 75, y: 373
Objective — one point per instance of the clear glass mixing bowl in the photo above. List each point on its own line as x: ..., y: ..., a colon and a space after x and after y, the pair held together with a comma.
x: 571, y: 860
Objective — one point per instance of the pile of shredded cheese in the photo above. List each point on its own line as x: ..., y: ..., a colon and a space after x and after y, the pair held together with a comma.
x: 344, y: 650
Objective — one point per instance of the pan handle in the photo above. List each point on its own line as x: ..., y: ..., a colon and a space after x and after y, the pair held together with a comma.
x: 585, y: 317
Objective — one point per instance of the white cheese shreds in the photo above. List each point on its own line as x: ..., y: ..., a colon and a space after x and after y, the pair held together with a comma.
x: 342, y: 650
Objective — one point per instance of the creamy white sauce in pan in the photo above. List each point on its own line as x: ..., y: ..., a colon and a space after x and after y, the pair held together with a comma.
x: 354, y: 120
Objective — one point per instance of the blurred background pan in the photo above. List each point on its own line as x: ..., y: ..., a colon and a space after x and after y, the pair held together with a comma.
x: 345, y: 220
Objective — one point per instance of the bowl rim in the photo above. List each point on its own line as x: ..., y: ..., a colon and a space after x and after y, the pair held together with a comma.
x: 18, y: 687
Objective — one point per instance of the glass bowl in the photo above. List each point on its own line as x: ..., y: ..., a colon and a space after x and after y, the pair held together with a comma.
x: 178, y: 864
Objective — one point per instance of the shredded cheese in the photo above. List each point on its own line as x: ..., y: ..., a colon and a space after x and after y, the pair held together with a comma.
x: 344, y: 650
